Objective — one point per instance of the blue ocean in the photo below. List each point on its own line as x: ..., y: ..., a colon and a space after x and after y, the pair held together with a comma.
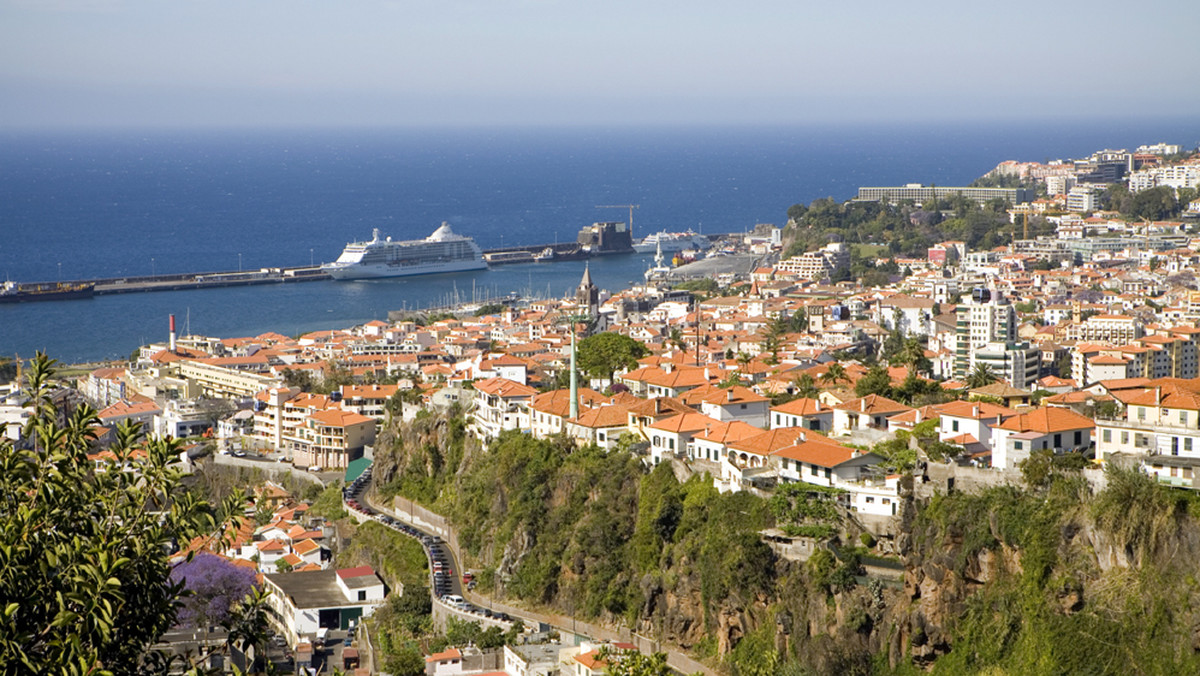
x: 78, y: 205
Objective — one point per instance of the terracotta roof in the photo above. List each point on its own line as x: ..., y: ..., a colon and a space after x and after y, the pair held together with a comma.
x: 768, y: 442
x: 451, y: 654
x: 873, y: 404
x: 976, y: 410
x: 729, y: 432
x: 802, y: 406
x: 1047, y: 421
x: 684, y: 422
x: 503, y: 387
x: 338, y: 418
x: 818, y: 451
x: 360, y: 571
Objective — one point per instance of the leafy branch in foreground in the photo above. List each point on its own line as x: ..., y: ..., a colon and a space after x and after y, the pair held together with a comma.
x: 85, y: 541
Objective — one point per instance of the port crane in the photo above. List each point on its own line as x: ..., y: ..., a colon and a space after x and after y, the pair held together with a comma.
x: 630, y: 207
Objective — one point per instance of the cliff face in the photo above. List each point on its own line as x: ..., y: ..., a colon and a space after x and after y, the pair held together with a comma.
x: 1032, y: 582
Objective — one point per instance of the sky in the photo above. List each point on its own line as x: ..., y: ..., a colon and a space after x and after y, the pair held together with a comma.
x: 169, y: 63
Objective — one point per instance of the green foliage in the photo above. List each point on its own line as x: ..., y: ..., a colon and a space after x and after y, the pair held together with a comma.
x: 981, y: 376
x: 602, y: 354
x: 802, y: 504
x: 876, y: 381
x: 489, y: 309
x: 399, y: 559
x: 84, y: 570
x: 703, y: 285
x: 634, y: 663
x: 1138, y: 512
x: 329, y: 503
x: 1127, y: 621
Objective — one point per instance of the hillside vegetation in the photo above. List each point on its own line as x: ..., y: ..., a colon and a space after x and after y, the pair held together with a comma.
x: 1044, y: 580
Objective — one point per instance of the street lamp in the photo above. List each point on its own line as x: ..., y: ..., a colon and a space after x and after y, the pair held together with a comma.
x: 311, y: 260
x: 153, y: 269
x: 239, y: 262
x: 60, y: 272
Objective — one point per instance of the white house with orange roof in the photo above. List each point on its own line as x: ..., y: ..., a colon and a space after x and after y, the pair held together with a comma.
x: 871, y: 411
x: 549, y: 411
x: 1056, y: 429
x: 137, y: 408
x: 733, y: 403
x: 824, y: 462
x: 803, y: 412
x: 972, y: 418
x: 713, y: 443
x: 602, y: 425
x: 673, y: 435
x: 751, y: 457
x: 500, y: 404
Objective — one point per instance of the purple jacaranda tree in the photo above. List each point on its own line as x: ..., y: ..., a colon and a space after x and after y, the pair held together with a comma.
x: 214, y: 586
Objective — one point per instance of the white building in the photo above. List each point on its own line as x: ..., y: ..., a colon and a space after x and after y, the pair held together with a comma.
x: 302, y: 603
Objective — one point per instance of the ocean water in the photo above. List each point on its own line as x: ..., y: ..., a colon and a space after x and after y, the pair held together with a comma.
x: 77, y: 205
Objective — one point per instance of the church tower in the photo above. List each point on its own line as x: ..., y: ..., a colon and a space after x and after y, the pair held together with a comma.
x: 587, y: 295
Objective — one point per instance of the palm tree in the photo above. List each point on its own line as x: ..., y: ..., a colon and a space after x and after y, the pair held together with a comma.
x: 805, y: 386
x: 835, y: 373
x: 981, y: 376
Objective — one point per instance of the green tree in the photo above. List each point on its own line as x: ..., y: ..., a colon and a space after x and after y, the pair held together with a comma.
x: 84, y: 569
x: 834, y: 374
x: 981, y: 376
x: 806, y: 386
x: 604, y: 353
x: 876, y: 381
x: 633, y: 663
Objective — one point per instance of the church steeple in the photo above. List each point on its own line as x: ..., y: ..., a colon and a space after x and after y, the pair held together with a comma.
x: 587, y: 295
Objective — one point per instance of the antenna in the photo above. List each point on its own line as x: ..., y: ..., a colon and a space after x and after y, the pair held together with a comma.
x: 630, y: 207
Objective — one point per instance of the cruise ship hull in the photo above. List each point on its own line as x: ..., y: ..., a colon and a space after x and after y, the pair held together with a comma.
x: 378, y: 271
x: 672, y: 245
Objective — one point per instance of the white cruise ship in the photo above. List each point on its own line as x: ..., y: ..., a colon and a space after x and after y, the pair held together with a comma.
x: 443, y: 251
x: 672, y: 241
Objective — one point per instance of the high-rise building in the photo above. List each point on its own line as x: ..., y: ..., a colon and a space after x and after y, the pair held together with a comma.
x: 987, y: 317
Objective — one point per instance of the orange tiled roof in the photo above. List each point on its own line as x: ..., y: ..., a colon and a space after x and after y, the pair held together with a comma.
x: 1047, y: 421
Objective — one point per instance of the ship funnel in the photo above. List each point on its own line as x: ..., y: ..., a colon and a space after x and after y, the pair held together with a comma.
x: 172, y: 333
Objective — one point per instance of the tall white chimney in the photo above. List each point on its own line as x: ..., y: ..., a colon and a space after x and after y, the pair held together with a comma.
x: 172, y: 333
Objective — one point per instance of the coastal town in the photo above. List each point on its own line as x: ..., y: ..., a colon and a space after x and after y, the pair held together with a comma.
x: 840, y: 366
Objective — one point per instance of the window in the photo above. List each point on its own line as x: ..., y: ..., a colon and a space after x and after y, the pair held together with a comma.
x: 1018, y: 445
x: 1183, y: 417
x: 1107, y: 435
x: 870, y: 499
x: 1141, y: 413
x: 1058, y: 441
x: 1124, y: 437
x: 1187, y: 443
x: 743, y: 407
x: 814, y: 470
x: 1078, y: 437
x: 362, y: 596
x: 953, y: 425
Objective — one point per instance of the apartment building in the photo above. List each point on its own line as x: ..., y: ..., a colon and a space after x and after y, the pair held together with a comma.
x: 986, y: 318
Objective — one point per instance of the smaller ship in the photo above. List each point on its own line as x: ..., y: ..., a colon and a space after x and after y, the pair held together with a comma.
x: 11, y: 292
x: 660, y: 272
x: 672, y: 241
x: 551, y: 254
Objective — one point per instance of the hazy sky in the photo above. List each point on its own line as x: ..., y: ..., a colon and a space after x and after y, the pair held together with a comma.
x: 373, y: 62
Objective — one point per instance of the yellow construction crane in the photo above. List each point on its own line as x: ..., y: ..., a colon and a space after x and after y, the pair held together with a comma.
x: 630, y: 207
